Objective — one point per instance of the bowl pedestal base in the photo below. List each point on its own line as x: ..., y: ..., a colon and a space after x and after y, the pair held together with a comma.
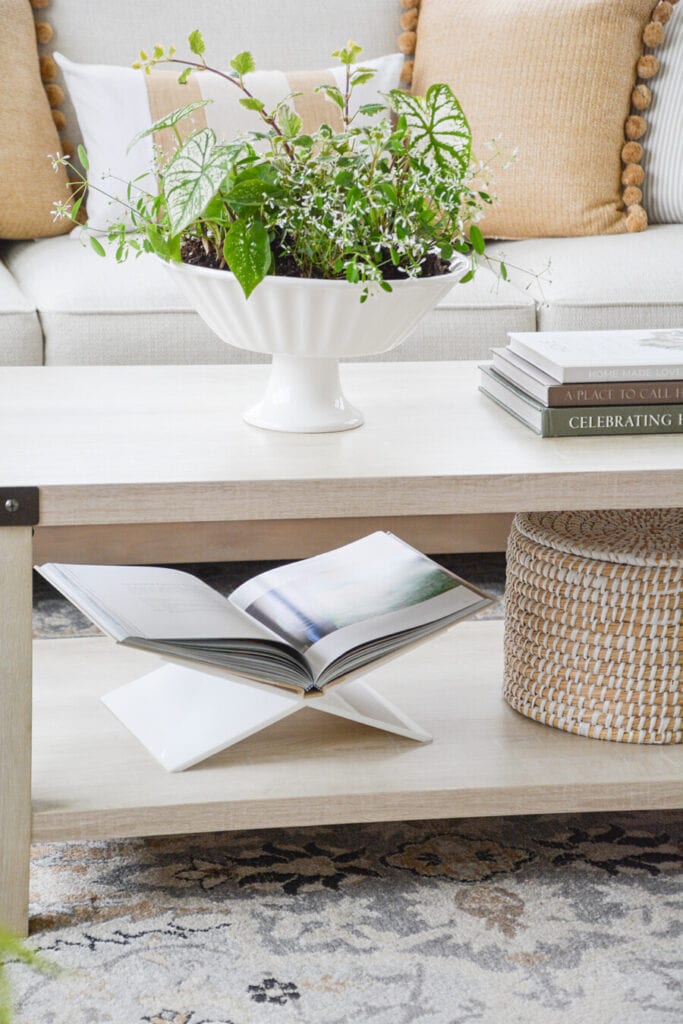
x: 304, y: 396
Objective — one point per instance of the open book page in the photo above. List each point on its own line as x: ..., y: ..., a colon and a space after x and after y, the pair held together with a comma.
x: 151, y: 603
x: 358, y: 602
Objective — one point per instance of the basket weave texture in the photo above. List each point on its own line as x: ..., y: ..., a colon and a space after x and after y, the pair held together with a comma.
x: 594, y: 623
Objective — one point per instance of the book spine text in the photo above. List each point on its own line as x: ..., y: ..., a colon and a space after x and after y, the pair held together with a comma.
x: 636, y: 419
x: 616, y: 374
x: 645, y: 393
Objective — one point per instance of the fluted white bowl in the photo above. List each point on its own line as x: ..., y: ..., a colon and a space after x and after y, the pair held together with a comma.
x: 307, y: 326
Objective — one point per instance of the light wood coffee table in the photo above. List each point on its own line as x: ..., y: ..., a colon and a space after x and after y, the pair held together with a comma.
x: 138, y: 446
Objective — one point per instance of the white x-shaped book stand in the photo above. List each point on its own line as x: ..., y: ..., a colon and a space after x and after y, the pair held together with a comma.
x: 183, y: 716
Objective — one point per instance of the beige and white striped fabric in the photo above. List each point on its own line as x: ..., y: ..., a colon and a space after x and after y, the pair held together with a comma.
x: 225, y: 114
x: 594, y: 623
x: 663, y: 143
x: 114, y: 104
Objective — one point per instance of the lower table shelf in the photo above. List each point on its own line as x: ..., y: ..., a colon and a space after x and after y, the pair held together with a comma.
x: 92, y: 779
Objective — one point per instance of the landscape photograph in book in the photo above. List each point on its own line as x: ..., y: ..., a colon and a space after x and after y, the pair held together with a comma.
x: 330, y: 593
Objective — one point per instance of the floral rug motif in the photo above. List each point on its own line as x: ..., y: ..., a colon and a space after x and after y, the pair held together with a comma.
x: 540, y: 920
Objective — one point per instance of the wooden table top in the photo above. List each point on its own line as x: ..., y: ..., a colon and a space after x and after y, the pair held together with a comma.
x: 145, y: 444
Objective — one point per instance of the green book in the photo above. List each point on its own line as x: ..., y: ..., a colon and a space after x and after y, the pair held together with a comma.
x: 585, y: 421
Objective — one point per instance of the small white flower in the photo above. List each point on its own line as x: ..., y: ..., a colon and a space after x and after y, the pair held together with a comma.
x: 59, y: 211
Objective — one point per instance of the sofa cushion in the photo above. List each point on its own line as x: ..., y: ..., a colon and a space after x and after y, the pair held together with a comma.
x: 21, y: 339
x: 611, y: 282
x: 95, y: 311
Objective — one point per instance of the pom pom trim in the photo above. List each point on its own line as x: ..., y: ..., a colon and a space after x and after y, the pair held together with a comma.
x: 409, y: 20
x: 48, y: 69
x: 633, y: 175
x: 641, y: 97
x: 407, y: 41
x: 44, y: 32
x: 662, y: 12
x: 636, y: 218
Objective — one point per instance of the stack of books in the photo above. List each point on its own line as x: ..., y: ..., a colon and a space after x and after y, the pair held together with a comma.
x: 586, y: 383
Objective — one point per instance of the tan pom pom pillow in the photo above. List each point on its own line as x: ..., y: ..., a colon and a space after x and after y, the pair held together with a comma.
x: 553, y: 80
x: 28, y: 185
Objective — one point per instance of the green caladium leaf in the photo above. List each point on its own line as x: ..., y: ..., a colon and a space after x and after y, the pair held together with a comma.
x: 247, y: 251
x: 436, y: 125
x: 249, y: 192
x: 193, y: 177
x: 168, y: 121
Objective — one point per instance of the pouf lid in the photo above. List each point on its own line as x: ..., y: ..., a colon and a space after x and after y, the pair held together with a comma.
x: 646, y: 536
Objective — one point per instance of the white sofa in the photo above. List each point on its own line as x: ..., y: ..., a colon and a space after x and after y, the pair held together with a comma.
x: 59, y: 303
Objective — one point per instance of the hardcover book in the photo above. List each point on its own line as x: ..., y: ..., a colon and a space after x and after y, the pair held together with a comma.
x: 548, y: 392
x: 302, y: 626
x: 587, y: 421
x: 578, y: 357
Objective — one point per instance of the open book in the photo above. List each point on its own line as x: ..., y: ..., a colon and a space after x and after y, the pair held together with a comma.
x: 302, y: 626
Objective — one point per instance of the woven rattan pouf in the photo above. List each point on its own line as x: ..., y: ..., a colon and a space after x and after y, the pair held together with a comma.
x: 593, y: 622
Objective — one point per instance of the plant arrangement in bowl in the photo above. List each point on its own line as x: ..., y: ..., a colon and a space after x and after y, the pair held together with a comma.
x: 309, y: 246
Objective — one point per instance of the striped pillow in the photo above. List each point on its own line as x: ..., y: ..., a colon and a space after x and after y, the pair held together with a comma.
x: 114, y: 104
x: 663, y: 159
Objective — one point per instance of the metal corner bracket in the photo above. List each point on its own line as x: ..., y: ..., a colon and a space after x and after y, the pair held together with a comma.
x: 19, y: 506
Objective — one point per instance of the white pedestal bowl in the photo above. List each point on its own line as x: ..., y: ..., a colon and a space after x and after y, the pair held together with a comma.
x: 307, y: 326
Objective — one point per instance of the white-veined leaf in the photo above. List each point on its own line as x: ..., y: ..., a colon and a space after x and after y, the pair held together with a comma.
x: 436, y: 125
x: 168, y: 121
x: 290, y: 122
x: 193, y: 177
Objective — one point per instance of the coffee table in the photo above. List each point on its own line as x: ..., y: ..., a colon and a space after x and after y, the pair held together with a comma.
x: 128, y: 446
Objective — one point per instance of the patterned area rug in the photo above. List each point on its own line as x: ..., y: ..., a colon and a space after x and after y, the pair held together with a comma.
x: 500, y: 921
x: 543, y: 920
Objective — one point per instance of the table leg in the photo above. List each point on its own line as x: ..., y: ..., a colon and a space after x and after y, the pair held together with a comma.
x: 15, y: 725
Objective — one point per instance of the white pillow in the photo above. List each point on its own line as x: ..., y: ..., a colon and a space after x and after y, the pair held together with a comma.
x: 114, y: 104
